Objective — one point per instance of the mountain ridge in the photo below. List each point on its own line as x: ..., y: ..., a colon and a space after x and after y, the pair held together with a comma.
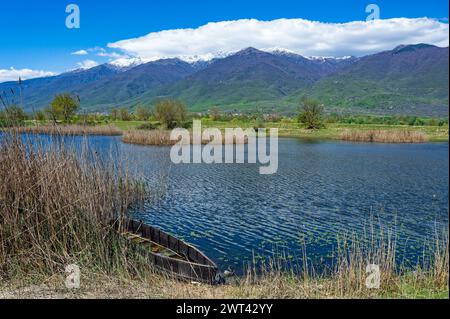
x: 404, y: 77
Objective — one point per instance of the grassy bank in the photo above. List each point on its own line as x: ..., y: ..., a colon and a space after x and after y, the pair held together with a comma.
x: 331, y: 131
x: 334, y: 131
x: 384, y: 136
x: 287, y: 128
x: 275, y: 286
x: 107, y: 130
x: 347, y: 279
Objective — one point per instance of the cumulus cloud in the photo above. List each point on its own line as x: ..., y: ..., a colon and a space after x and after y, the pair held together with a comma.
x: 80, y: 52
x: 12, y: 74
x: 308, y: 38
x: 87, y: 64
x: 113, y: 55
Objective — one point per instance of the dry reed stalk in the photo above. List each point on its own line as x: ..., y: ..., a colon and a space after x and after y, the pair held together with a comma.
x: 107, y: 130
x: 155, y: 137
x: 384, y: 136
x: 161, y: 138
x: 55, y: 207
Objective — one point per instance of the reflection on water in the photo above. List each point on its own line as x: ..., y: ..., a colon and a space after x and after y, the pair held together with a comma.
x: 234, y: 214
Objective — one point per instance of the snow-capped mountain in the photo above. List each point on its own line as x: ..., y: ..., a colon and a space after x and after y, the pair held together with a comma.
x: 272, y: 77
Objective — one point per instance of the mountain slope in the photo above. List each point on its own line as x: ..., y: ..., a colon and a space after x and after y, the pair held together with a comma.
x: 408, y: 77
x: 39, y: 92
x: 103, y: 86
x: 128, y: 85
x: 249, y: 76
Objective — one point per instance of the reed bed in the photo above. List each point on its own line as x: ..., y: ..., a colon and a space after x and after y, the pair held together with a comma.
x: 155, y: 137
x: 71, y: 130
x: 384, y: 136
x: 346, y: 279
x: 55, y: 207
x: 160, y: 138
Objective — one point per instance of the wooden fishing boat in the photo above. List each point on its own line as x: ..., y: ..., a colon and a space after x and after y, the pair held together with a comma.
x: 169, y: 254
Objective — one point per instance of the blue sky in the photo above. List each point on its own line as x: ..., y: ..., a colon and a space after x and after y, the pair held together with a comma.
x: 34, y: 35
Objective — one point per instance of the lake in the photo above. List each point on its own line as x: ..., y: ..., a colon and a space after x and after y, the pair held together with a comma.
x: 322, y: 189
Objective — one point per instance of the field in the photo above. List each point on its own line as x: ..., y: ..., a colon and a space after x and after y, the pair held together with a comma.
x: 331, y: 131
x: 334, y: 128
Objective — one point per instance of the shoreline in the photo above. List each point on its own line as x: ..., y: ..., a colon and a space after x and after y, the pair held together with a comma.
x: 272, y: 286
x: 332, y: 132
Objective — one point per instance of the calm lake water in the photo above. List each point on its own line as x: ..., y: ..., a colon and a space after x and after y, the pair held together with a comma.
x: 321, y: 190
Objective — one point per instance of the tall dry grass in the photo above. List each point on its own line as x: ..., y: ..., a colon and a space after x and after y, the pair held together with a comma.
x: 55, y: 206
x: 384, y: 136
x: 71, y: 130
x: 162, y: 138
x: 347, y: 276
x: 154, y: 137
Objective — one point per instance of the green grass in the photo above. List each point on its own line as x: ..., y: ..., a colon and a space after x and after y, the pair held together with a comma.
x: 294, y: 129
x: 127, y: 125
x: 332, y: 131
x: 291, y: 128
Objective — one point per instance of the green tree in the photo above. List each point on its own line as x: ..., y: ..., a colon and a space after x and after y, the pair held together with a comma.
x: 40, y: 116
x: 63, y: 107
x: 124, y: 115
x: 114, y: 114
x: 13, y: 115
x: 171, y: 113
x: 143, y: 113
x: 214, y: 114
x: 311, y: 114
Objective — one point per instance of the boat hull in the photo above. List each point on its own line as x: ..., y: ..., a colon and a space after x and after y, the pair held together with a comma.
x: 195, y: 266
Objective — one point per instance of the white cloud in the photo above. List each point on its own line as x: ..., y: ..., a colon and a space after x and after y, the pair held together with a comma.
x: 87, y: 64
x: 113, y: 55
x: 12, y: 74
x: 80, y: 52
x: 309, y: 38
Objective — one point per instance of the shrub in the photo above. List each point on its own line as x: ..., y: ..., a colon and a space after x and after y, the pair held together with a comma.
x: 12, y: 116
x: 63, y: 107
x: 311, y: 114
x: 143, y: 113
x: 171, y: 113
x: 147, y: 126
x: 124, y: 115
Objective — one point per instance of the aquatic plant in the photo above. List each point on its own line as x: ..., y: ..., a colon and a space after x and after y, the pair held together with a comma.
x: 71, y: 130
x: 55, y: 206
x: 384, y: 136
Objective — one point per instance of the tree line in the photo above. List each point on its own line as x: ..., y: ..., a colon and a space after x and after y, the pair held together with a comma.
x: 65, y: 108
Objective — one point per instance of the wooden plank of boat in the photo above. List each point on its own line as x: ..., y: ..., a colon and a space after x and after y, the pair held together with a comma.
x: 155, y: 248
x: 169, y: 254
